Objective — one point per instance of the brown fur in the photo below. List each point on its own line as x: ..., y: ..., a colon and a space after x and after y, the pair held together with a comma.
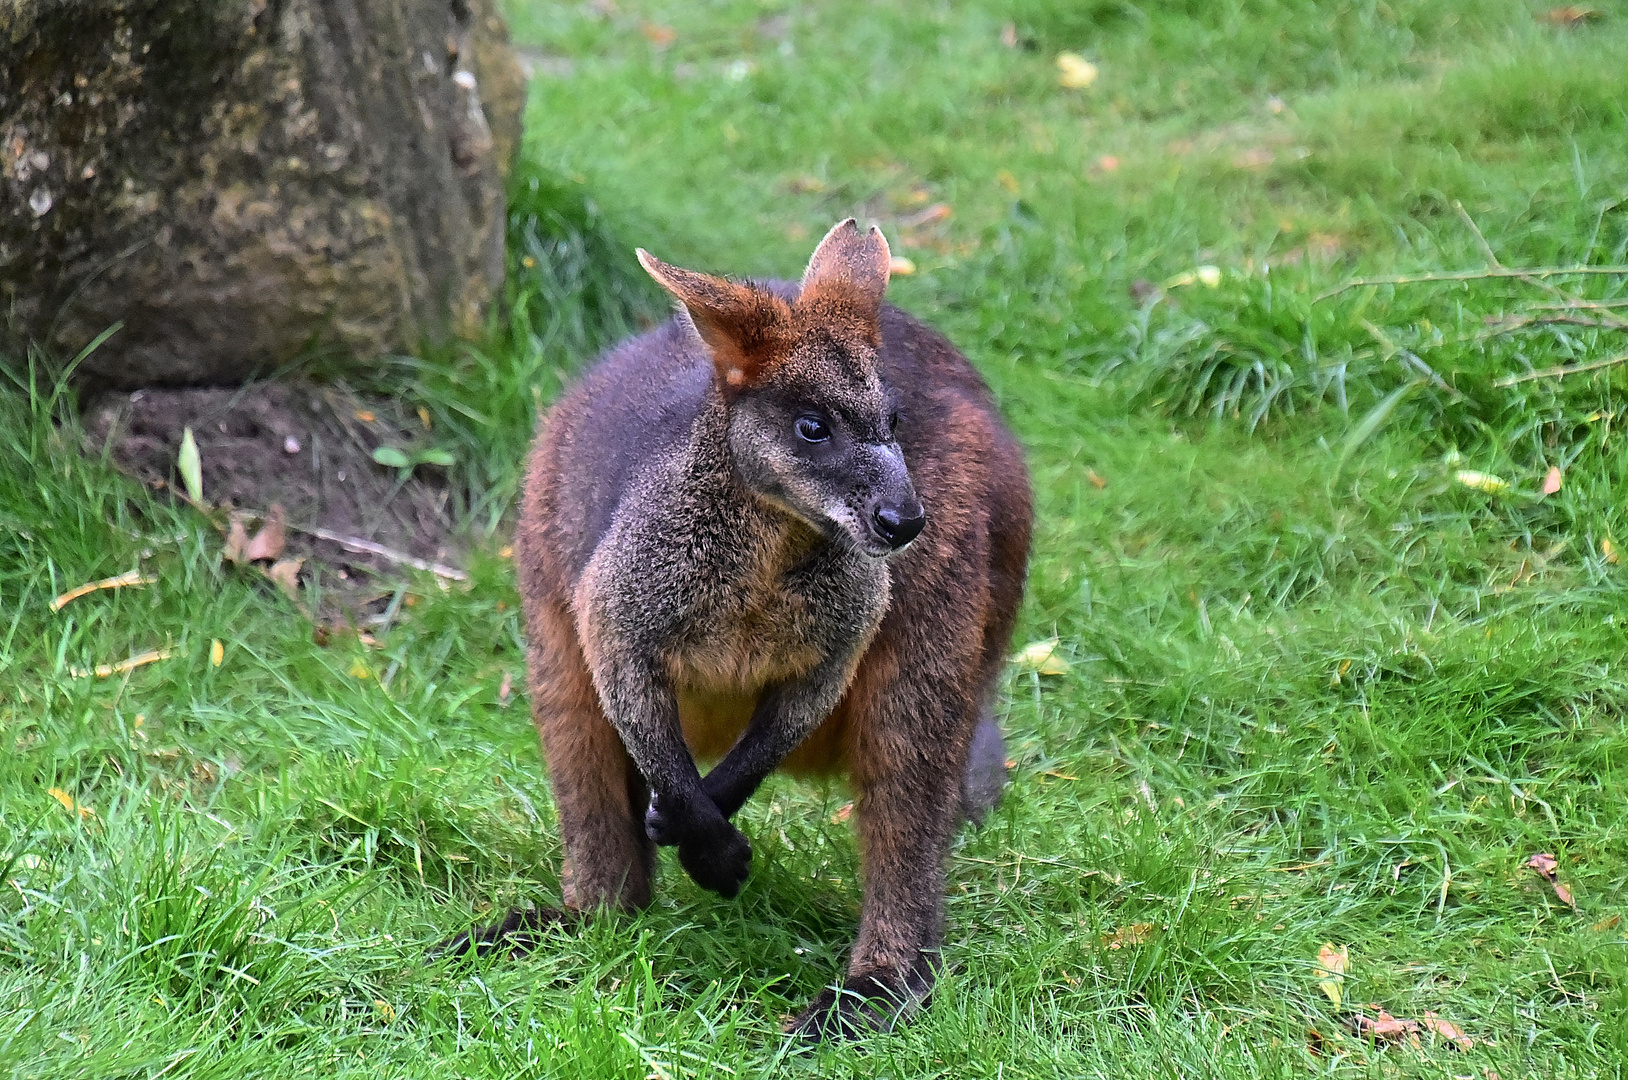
x: 682, y: 602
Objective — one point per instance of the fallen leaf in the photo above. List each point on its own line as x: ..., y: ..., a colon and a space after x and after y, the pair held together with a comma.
x: 900, y: 266
x: 658, y: 35
x: 1551, y: 480
x: 1256, y: 157
x: 505, y: 689
x: 102, y: 671
x: 125, y: 580
x: 1546, y: 867
x: 1331, y: 967
x: 1383, y: 1027
x: 1608, y: 550
x: 190, y: 465
x: 1608, y: 923
x: 269, y: 542
x: 842, y: 813
x: 1107, y: 163
x: 1009, y: 36
x: 1006, y: 180
x: 1316, y: 1045
x: 1488, y: 482
x: 1125, y: 936
x: 927, y: 216
x: 1042, y: 657
x: 217, y: 653
x: 1446, y: 1029
x: 1096, y: 481
x: 1545, y: 864
x: 1569, y: 15
x: 69, y: 804
x: 237, y: 539
x: 359, y: 670
x: 1208, y: 276
x: 285, y: 573
x: 1075, y: 71
x: 364, y: 415
x: 424, y: 418
x: 386, y: 1011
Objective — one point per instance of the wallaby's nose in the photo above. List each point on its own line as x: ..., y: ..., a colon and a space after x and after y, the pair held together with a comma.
x: 898, y: 525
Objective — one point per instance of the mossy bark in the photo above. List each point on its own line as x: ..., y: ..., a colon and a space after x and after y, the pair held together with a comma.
x: 241, y: 181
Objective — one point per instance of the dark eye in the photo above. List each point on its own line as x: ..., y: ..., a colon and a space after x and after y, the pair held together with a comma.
x: 812, y: 429
x: 893, y: 422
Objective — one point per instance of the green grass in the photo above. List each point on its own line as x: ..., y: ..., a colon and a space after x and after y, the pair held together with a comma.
x: 1320, y: 691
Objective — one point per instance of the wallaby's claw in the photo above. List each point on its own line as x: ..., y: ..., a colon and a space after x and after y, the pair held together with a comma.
x: 719, y: 862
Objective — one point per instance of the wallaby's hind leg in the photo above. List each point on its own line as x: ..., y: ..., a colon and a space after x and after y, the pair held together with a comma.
x: 985, y: 775
x: 600, y: 797
x: 909, y: 733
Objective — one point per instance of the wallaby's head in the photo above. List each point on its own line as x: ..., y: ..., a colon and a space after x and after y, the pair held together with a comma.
x: 811, y: 424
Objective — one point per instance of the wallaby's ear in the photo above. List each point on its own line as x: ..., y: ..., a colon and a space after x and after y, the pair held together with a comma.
x: 851, y: 264
x: 744, y: 327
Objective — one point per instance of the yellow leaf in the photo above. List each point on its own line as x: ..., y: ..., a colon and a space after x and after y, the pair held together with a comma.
x: 1208, y: 276
x: 1481, y: 481
x: 217, y: 653
x: 1608, y: 550
x: 1006, y: 180
x: 1075, y: 71
x: 68, y: 803
x: 1331, y: 968
x: 359, y: 670
x: 900, y: 266
x: 386, y: 1011
x: 1043, y: 657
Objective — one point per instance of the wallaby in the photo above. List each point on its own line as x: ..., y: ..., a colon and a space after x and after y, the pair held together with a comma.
x: 785, y: 529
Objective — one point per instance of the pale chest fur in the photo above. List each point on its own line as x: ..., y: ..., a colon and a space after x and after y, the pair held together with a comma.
x: 773, y: 621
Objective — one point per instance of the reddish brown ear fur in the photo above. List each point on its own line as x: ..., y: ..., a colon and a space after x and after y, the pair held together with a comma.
x: 849, y: 270
x: 746, y: 328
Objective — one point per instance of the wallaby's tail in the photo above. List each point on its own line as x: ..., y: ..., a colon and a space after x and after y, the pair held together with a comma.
x: 981, y: 784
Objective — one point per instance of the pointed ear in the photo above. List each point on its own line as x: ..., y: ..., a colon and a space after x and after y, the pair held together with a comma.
x: 850, y: 264
x: 745, y: 328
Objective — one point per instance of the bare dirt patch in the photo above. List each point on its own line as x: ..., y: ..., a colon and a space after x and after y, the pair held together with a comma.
x: 302, y: 446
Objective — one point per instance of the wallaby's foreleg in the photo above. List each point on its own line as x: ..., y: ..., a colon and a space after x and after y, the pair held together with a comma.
x: 645, y: 713
x: 783, y: 718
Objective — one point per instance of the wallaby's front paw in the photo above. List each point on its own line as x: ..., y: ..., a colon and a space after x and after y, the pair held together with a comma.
x: 719, y: 861
x: 662, y: 827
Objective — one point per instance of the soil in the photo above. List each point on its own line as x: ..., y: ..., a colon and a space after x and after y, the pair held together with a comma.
x: 305, y: 447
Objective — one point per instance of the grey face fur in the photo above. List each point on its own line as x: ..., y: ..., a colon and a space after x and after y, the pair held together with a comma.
x: 820, y: 443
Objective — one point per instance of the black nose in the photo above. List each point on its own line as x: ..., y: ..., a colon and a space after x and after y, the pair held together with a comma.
x: 899, y: 525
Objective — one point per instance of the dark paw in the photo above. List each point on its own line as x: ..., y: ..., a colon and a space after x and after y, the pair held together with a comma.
x: 661, y: 826
x: 866, y: 1005
x: 518, y: 933
x: 719, y: 860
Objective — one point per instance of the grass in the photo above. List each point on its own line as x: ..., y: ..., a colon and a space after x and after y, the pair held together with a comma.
x: 1320, y: 691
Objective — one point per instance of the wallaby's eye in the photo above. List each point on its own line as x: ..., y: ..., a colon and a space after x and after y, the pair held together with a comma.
x: 812, y: 429
x: 893, y: 422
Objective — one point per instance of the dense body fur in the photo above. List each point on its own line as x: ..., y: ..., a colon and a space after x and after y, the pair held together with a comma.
x: 695, y: 589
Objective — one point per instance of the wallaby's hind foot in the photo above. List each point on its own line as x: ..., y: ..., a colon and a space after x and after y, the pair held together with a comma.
x: 864, y: 1006
x: 517, y: 933
x: 985, y: 775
